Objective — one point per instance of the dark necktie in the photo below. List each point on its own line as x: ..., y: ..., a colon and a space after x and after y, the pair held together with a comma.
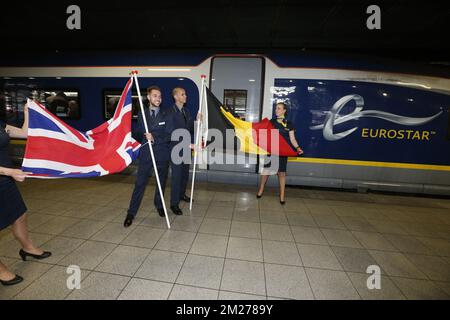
x: 153, y: 114
x: 184, y: 114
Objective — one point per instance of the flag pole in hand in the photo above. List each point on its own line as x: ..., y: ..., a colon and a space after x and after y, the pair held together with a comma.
x: 155, y: 168
x: 197, y: 136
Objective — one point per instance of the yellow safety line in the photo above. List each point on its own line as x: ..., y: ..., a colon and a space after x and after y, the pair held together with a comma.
x: 372, y: 163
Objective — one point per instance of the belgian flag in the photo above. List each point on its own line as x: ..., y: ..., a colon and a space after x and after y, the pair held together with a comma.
x: 254, y: 137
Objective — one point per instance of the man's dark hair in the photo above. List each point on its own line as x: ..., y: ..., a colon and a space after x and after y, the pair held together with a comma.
x: 151, y: 88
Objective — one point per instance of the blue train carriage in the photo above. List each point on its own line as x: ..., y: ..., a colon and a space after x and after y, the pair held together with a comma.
x: 369, y: 129
x: 362, y: 124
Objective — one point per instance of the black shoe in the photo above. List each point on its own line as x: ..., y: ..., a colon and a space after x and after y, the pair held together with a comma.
x: 161, y: 212
x: 258, y: 196
x: 17, y: 279
x: 282, y: 202
x: 23, y: 254
x: 176, y: 210
x: 128, y: 221
x: 186, y: 198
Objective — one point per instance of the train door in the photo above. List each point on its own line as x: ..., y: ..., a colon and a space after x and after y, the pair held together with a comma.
x: 238, y: 82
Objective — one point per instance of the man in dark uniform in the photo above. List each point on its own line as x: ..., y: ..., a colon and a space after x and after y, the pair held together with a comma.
x: 180, y: 118
x: 159, y: 137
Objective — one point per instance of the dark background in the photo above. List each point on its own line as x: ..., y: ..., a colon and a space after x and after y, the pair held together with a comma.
x: 411, y: 30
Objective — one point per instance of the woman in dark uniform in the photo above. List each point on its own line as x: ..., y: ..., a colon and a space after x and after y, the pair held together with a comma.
x: 12, y: 207
x: 287, y: 131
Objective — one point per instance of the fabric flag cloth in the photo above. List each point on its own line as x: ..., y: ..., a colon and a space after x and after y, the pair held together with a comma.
x: 254, y: 137
x: 56, y: 150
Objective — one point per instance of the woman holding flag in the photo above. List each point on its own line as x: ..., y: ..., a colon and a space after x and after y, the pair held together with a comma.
x: 12, y: 207
x: 287, y: 132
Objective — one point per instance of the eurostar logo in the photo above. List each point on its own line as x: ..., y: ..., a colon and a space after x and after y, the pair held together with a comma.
x: 333, y: 117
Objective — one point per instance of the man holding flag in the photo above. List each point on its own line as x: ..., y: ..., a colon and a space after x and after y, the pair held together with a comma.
x: 159, y: 137
x: 180, y: 119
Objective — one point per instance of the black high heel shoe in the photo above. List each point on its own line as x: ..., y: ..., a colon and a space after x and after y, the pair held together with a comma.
x: 23, y: 254
x: 17, y: 279
x: 258, y: 196
x: 282, y: 202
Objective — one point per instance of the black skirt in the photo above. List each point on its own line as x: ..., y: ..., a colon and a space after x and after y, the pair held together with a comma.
x: 271, y: 160
x: 12, y: 206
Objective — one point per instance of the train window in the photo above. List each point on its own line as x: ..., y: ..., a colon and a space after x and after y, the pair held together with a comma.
x: 236, y: 100
x: 111, y: 98
x: 64, y: 103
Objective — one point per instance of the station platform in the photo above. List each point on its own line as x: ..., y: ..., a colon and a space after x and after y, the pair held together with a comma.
x: 232, y: 245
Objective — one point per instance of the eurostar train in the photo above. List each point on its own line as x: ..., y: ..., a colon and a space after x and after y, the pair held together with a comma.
x: 362, y: 123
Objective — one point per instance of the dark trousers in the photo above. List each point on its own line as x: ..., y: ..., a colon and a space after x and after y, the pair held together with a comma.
x: 145, y: 170
x: 180, y: 177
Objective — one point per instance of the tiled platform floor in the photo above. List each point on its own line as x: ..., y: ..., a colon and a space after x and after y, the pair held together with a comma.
x: 232, y: 246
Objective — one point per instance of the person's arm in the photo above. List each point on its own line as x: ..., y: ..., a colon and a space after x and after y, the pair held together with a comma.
x: 22, y: 133
x: 294, y: 142
x: 16, y: 174
x: 168, y: 128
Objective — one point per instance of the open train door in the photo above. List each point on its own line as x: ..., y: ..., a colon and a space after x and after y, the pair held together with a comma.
x: 238, y: 82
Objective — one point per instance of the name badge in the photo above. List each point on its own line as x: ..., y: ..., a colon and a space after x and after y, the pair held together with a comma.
x: 162, y: 123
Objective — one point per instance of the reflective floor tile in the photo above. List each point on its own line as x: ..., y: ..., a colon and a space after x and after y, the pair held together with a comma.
x: 141, y: 289
x: 281, y: 253
x: 318, y: 256
x: 180, y: 292
x: 100, y: 286
x: 52, y: 285
x: 308, y: 235
x: 287, y: 282
x: 373, y: 240
x: 113, y: 233
x: 245, y: 229
x: 144, y: 237
x: 173, y: 240
x: 276, y: 232
x: 387, y: 291
x: 89, y: 255
x: 124, y: 260
x: 209, y: 245
x: 327, y: 284
x: 201, y: 271
x: 215, y: 226
x: 419, y: 289
x: 396, y: 264
x: 341, y: 238
x: 243, y: 276
x: 162, y: 266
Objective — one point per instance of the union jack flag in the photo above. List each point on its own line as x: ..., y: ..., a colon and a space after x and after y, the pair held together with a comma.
x: 56, y: 150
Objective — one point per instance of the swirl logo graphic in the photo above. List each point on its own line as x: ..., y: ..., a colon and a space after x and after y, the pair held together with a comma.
x: 332, y: 118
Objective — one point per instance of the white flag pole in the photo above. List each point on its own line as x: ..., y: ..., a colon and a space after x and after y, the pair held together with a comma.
x: 197, y: 136
x: 206, y: 117
x: 155, y: 168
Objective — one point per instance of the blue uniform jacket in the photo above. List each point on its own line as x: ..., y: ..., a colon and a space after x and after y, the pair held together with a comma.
x: 178, y: 121
x: 159, y: 128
